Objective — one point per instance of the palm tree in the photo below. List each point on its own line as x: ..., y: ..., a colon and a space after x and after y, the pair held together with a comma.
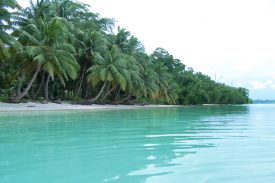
x: 148, y: 88
x: 121, y: 40
x: 131, y: 48
x: 133, y: 77
x: 46, y: 47
x: 88, y: 42
x: 109, y: 68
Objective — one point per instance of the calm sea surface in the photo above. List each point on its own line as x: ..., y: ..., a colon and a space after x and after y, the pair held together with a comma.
x: 207, y: 144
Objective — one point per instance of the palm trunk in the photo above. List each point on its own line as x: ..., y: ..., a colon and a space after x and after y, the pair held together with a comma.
x: 126, y: 98
x: 31, y: 92
x: 81, y: 80
x: 24, y: 93
x: 99, y: 93
x: 87, y: 91
x: 117, y: 95
x: 40, y: 86
x: 46, y: 89
x: 110, y: 91
x: 20, y: 81
x: 107, y: 89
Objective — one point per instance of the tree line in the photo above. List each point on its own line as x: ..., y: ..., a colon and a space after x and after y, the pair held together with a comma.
x: 60, y: 50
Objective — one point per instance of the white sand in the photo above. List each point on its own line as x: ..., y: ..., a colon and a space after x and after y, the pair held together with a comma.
x: 31, y: 106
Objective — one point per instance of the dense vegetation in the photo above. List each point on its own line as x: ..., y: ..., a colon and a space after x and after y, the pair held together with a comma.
x: 60, y: 50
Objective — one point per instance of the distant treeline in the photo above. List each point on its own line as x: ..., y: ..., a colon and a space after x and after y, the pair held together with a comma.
x: 263, y: 101
x: 60, y: 50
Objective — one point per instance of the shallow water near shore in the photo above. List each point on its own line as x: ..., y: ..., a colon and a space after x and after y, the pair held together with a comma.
x: 212, y: 144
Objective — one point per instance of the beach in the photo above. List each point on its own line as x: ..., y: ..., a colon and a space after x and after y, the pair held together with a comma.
x: 34, y: 106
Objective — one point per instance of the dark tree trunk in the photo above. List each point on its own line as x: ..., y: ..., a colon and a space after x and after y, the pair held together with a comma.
x: 106, y: 90
x: 99, y: 93
x: 110, y: 91
x: 85, y: 85
x: 40, y: 86
x: 20, y: 81
x: 46, y: 89
x: 24, y: 93
x: 117, y: 94
x: 31, y: 92
x: 81, y: 81
x: 125, y: 99
x: 87, y: 92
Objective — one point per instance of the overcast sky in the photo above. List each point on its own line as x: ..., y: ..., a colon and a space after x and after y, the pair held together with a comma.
x: 230, y: 40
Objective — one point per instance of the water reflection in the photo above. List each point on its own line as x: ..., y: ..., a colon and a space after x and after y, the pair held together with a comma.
x: 182, y: 133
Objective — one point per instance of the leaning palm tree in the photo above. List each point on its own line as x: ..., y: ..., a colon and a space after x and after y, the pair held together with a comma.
x: 151, y: 86
x: 88, y: 43
x: 47, y: 49
x: 168, y: 87
x: 146, y: 87
x: 111, y: 67
x: 133, y: 77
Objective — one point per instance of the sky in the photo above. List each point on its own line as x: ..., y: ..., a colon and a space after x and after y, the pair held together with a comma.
x: 232, y: 41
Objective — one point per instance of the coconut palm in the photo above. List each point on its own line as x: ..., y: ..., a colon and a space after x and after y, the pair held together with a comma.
x: 131, y: 48
x: 111, y: 67
x: 89, y: 42
x: 46, y: 48
x: 133, y: 80
x: 149, y: 87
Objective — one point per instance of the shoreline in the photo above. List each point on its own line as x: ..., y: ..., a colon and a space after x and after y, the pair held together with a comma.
x: 34, y: 106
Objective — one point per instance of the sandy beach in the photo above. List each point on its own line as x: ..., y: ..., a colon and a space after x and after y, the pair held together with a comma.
x: 32, y: 106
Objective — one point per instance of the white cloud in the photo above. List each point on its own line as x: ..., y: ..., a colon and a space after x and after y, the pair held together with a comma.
x: 239, y: 85
x: 257, y: 85
x: 205, y: 35
x: 272, y: 75
x: 261, y: 85
x: 268, y: 82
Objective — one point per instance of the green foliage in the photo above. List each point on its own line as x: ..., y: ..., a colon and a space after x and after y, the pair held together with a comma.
x: 6, y: 23
x: 63, y: 39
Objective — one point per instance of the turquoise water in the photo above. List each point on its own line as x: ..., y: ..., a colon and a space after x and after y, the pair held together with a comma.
x: 208, y: 144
